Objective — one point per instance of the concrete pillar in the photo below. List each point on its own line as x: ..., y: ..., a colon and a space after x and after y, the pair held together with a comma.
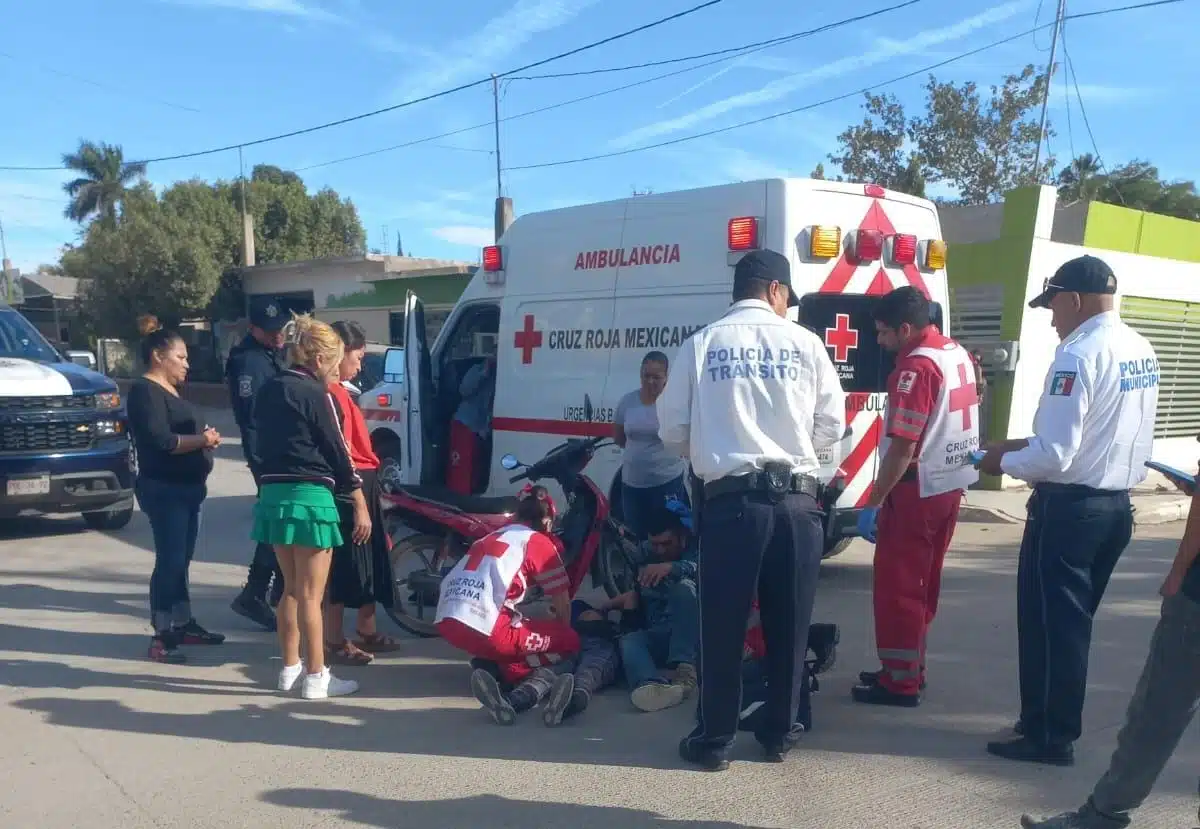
x: 504, y: 216
x: 248, y: 240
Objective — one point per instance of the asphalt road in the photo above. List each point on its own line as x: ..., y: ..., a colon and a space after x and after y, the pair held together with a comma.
x: 92, y: 734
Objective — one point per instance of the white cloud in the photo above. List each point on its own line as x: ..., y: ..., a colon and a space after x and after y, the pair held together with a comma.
x: 776, y: 90
x: 479, y: 53
x: 464, y: 235
x: 698, y: 85
x: 286, y: 8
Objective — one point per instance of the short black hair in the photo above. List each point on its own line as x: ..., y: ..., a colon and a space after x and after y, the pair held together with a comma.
x: 656, y: 357
x: 351, y: 334
x: 751, y: 289
x: 663, y: 520
x: 903, y: 305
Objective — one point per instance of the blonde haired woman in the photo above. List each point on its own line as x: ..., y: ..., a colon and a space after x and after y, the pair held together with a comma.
x: 304, y: 461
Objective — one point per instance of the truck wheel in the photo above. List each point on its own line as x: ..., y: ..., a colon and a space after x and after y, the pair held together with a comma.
x: 835, y: 547
x: 108, y: 519
x: 388, y: 451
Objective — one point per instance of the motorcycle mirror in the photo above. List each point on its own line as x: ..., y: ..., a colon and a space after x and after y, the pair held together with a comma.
x: 588, y: 411
x: 510, y: 462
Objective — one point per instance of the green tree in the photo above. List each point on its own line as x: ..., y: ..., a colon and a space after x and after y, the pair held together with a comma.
x: 1136, y: 185
x: 981, y: 149
x: 102, y: 183
x: 818, y: 172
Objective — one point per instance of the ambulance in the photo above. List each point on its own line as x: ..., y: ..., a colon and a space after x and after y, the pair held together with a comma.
x: 575, y: 298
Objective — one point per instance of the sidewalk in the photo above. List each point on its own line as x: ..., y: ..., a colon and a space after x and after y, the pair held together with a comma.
x: 1155, y: 501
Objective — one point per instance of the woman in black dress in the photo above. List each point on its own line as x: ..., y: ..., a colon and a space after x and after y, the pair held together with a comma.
x: 174, y: 452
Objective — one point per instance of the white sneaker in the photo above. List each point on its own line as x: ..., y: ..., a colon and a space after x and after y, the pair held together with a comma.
x: 325, y: 685
x: 655, y: 696
x: 290, y: 675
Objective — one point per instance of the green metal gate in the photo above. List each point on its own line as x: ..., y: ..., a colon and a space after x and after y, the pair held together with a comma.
x: 1173, y: 328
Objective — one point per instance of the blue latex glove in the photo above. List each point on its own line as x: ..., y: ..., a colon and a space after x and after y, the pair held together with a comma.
x: 866, y: 523
x: 976, y: 458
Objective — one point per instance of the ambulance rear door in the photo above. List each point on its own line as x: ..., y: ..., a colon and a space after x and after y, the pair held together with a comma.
x: 419, y: 455
x: 850, y: 244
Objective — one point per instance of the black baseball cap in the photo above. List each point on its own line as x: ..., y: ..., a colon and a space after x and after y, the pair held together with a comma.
x: 1085, y: 275
x: 267, y: 313
x: 765, y: 266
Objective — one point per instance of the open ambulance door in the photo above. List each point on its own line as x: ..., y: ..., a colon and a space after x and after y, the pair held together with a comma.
x: 420, y: 461
x: 844, y: 322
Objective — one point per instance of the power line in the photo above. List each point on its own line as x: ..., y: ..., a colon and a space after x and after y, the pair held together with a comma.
x: 842, y: 97
x: 97, y: 84
x: 734, y: 52
x: 1086, y: 123
x: 592, y: 96
x: 403, y: 105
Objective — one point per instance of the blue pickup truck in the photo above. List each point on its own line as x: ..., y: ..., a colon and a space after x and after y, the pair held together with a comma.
x: 64, y: 436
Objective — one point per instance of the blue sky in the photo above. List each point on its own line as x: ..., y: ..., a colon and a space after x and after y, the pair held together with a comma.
x: 161, y: 77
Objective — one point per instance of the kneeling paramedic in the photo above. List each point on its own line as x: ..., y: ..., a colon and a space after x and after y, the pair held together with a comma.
x: 751, y: 399
x: 477, y: 611
x: 932, y: 427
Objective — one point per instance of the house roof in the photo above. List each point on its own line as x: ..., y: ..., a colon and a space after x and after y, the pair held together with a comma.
x: 46, y: 284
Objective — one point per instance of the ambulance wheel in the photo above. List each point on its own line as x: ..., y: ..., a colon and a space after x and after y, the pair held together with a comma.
x: 415, y: 586
x: 836, y: 547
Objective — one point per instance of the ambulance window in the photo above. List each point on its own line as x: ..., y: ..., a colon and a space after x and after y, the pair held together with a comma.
x: 845, y: 323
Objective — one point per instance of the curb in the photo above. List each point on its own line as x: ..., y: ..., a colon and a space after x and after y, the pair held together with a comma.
x: 1176, y: 510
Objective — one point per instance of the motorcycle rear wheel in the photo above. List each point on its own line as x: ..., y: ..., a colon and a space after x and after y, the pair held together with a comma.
x: 425, y: 546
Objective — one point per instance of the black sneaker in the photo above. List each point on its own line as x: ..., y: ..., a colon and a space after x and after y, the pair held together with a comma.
x: 872, y: 677
x: 255, y: 609
x: 163, y: 649
x: 823, y: 641
x: 876, y: 694
x: 193, y: 634
x: 558, y: 700
x: 485, y: 689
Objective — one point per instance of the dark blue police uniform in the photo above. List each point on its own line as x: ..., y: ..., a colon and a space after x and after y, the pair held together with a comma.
x: 250, y: 365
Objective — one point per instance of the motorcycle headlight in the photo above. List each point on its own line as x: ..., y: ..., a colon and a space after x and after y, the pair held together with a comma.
x: 108, y: 400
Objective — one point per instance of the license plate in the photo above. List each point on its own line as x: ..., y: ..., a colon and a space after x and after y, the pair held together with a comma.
x: 29, y: 486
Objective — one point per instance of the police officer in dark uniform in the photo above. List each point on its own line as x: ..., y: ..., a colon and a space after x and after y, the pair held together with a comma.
x: 751, y: 400
x: 252, y: 362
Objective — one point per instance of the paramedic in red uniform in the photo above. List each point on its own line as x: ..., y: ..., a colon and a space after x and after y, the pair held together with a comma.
x: 477, y: 611
x: 932, y: 426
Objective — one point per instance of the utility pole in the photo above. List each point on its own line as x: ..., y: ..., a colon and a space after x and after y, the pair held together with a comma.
x: 1058, y: 21
x: 248, y: 255
x: 4, y: 265
x: 496, y: 123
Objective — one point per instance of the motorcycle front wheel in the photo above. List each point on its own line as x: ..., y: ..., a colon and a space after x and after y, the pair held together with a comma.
x: 416, y: 586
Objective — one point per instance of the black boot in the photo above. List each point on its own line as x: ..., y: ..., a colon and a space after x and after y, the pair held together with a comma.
x: 823, y: 641
x: 1025, y: 750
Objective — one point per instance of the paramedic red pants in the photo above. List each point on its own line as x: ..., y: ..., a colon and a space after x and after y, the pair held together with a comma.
x: 463, y: 442
x: 913, y: 534
x: 536, y: 643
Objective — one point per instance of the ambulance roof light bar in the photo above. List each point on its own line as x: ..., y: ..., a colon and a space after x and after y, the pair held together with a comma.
x: 743, y: 233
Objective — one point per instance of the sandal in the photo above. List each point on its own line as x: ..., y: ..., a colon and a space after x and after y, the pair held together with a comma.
x: 347, y: 654
x: 376, y: 642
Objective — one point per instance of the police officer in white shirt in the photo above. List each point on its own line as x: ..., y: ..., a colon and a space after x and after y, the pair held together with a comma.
x: 751, y: 399
x: 1093, y: 433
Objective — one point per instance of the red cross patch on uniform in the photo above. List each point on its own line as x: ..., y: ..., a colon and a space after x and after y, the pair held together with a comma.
x: 904, y: 383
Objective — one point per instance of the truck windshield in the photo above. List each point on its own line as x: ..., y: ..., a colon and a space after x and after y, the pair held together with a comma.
x: 19, y: 339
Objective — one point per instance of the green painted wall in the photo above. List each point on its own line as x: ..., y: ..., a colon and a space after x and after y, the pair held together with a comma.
x: 433, y: 290
x: 1110, y: 227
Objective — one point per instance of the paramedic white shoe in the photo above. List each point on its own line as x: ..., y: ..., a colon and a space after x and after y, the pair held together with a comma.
x: 655, y: 696
x: 325, y: 685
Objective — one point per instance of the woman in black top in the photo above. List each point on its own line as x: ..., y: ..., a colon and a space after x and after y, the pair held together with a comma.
x: 174, y: 452
x: 303, y: 462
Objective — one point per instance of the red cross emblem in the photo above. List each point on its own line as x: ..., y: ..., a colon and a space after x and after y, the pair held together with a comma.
x: 841, y: 338
x: 527, y: 340
x: 964, y: 396
x: 846, y: 267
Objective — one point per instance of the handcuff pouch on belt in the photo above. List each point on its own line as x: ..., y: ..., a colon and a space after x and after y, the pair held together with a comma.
x: 777, y: 481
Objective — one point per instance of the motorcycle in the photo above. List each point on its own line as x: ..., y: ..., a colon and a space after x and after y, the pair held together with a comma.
x: 445, y: 524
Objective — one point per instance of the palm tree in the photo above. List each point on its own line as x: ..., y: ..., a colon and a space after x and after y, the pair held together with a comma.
x: 103, y: 181
x: 1080, y: 181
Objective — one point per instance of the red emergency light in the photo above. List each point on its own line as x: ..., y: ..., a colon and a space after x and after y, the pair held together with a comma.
x: 493, y: 259
x: 874, y: 191
x: 904, y: 249
x: 743, y: 233
x: 383, y: 400
x: 868, y: 245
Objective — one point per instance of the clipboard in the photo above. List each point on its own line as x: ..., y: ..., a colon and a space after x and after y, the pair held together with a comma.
x: 1176, y: 476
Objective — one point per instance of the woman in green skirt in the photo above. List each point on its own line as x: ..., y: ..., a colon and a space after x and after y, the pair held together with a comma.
x: 303, y: 461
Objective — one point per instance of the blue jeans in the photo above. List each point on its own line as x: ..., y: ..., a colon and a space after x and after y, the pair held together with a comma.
x: 675, y: 642
x: 174, y: 513
x: 639, y: 503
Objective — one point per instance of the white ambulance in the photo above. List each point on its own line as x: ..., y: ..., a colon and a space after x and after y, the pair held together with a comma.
x: 577, y: 296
